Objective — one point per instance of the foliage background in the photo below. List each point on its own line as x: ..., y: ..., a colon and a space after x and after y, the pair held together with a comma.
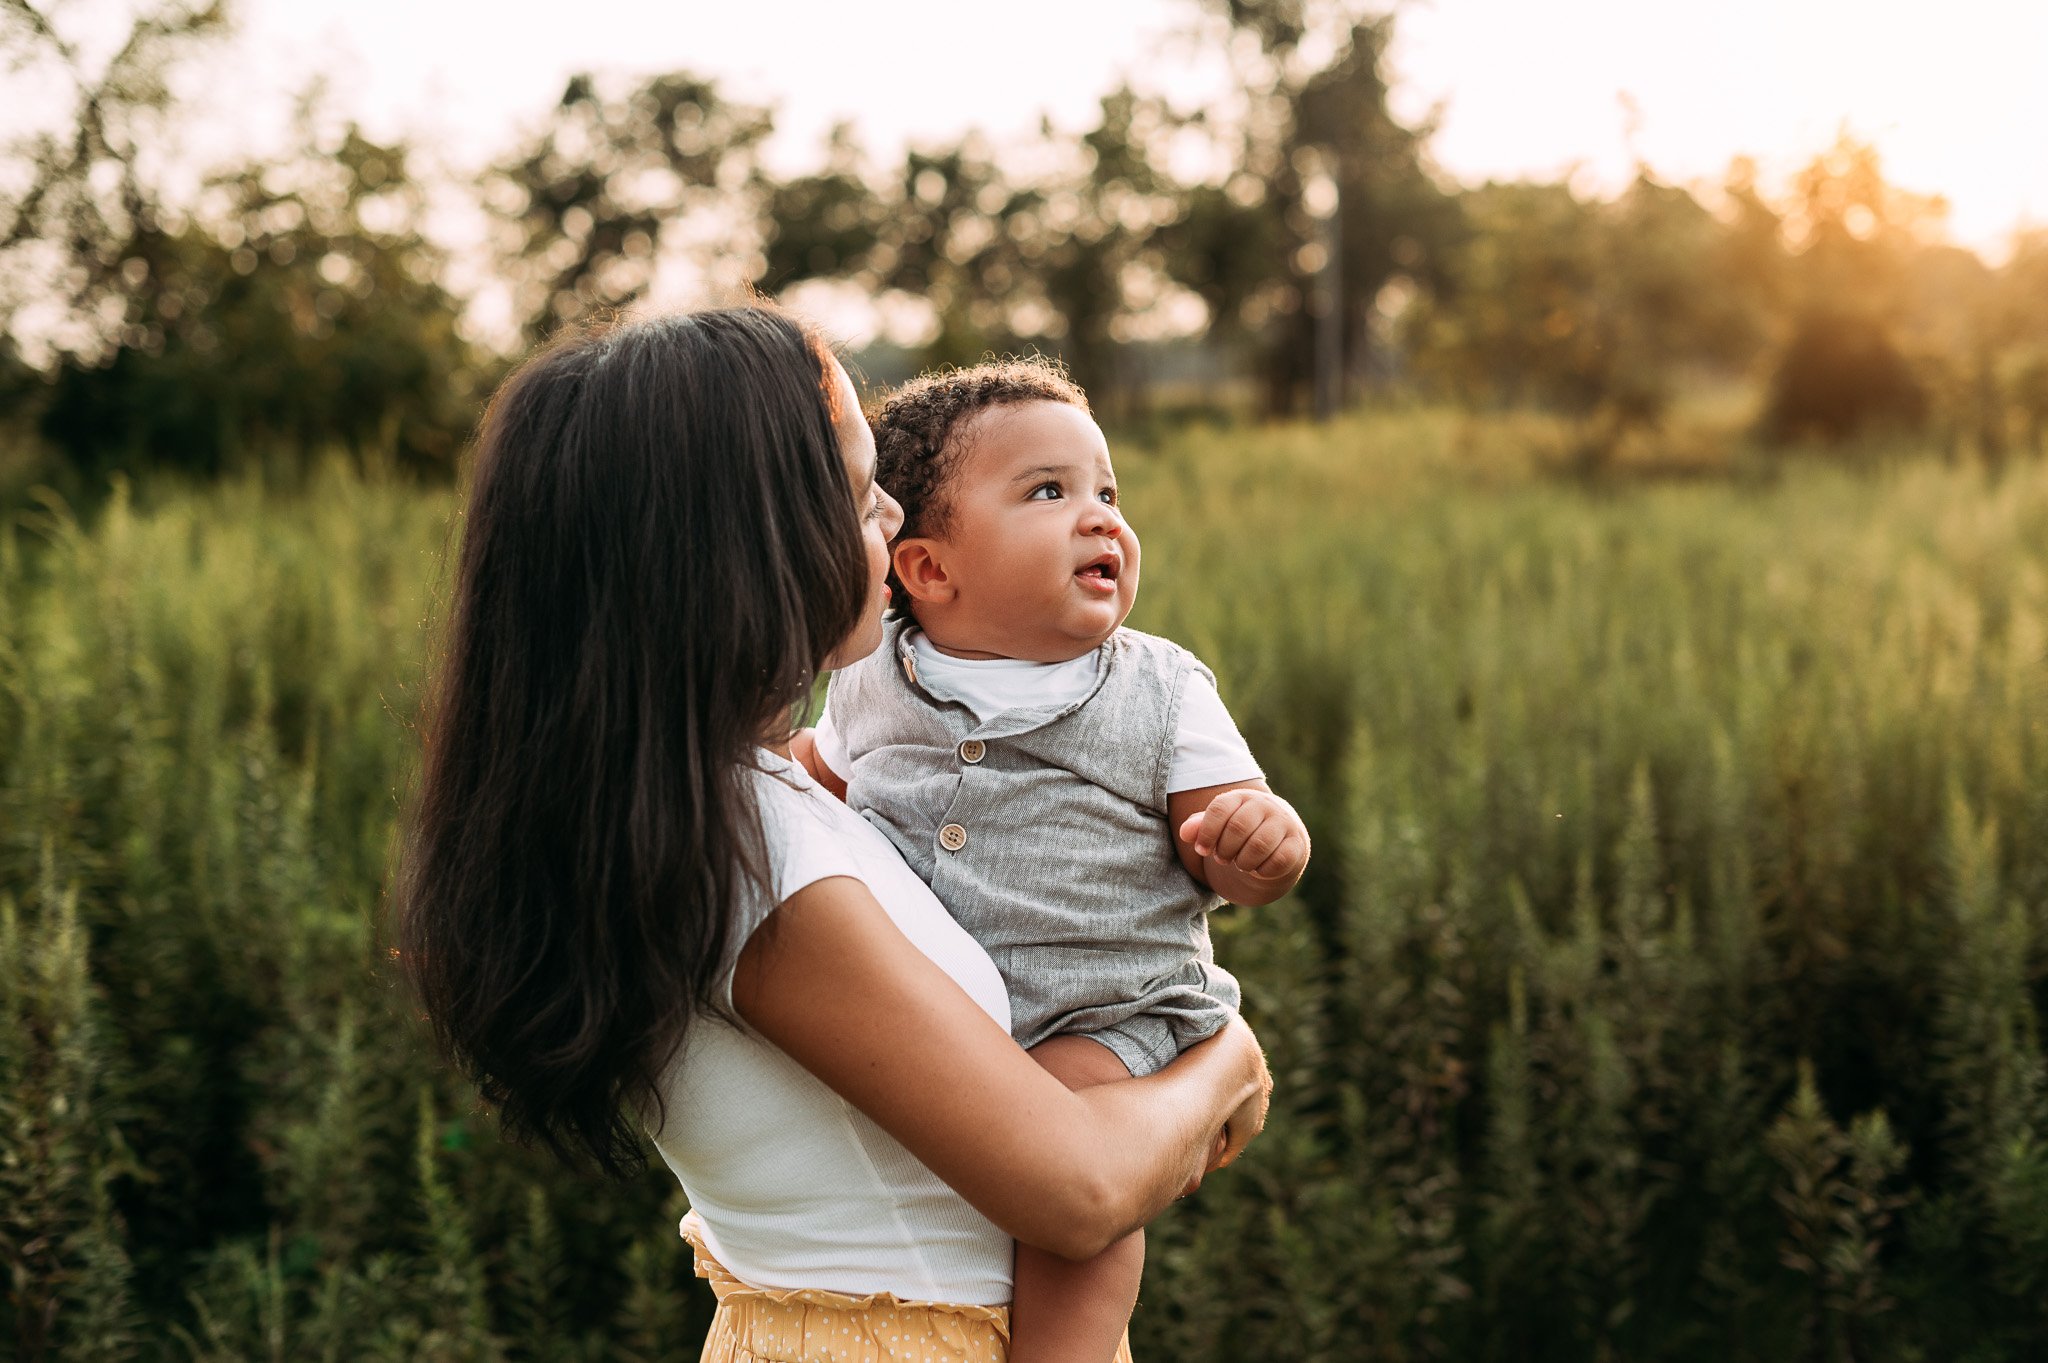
x: 1667, y: 982
x: 1653, y: 639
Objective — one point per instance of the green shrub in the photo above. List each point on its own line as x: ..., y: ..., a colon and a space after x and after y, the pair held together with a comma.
x: 1667, y: 982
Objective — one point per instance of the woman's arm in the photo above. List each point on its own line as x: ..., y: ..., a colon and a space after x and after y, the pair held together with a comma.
x: 833, y: 982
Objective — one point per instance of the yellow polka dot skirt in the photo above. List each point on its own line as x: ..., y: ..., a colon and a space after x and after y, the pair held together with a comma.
x: 806, y: 1325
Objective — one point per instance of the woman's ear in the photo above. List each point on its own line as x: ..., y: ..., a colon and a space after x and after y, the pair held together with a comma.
x: 921, y: 570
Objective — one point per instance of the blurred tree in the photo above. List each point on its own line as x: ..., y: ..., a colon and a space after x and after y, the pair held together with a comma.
x: 1061, y: 264
x: 615, y: 180
x: 75, y: 192
x: 1257, y: 248
x: 1521, y: 317
x: 824, y: 225
x: 945, y: 227
x: 306, y: 314
x: 1854, y: 239
x: 1982, y: 336
x: 1954, y: 327
x: 1597, y: 309
x: 1082, y: 259
x: 948, y: 241
x: 1394, y: 220
x: 1076, y: 261
x: 2023, y: 298
x: 1108, y: 267
x: 1681, y: 284
x: 1224, y: 247
x: 297, y: 306
x: 1853, y: 234
x: 1750, y: 258
x: 1840, y: 375
x: 21, y: 397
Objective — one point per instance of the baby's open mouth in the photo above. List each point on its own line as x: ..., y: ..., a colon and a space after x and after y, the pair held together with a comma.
x: 1103, y: 569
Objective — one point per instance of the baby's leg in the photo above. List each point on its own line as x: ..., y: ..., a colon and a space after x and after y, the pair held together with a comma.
x: 1066, y: 1312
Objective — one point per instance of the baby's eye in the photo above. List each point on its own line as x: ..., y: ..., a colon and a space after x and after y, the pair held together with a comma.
x: 1107, y: 496
x: 1044, y: 492
x: 874, y: 508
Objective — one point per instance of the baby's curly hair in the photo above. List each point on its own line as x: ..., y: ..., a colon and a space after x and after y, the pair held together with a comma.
x: 919, y: 428
x: 920, y: 432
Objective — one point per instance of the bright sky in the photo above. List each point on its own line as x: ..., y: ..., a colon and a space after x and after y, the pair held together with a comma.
x: 470, y: 75
x: 1952, y: 95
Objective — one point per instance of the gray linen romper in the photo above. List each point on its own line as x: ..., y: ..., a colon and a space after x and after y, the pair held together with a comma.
x: 1044, y: 832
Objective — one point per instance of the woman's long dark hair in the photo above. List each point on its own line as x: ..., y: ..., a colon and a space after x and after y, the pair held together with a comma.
x: 659, y: 548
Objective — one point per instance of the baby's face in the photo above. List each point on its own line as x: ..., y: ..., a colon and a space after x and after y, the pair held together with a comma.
x: 1042, y: 564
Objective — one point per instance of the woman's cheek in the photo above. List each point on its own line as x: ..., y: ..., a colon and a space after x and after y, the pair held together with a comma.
x: 878, y: 569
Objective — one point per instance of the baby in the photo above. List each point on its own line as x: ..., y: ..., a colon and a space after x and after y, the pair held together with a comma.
x: 1074, y: 792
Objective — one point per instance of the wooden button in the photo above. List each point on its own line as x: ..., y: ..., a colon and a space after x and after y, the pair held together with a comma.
x: 952, y: 837
x: 973, y: 750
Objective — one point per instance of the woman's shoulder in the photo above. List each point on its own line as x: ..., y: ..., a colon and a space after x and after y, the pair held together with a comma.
x: 809, y: 834
x: 783, y: 789
x: 806, y: 835
x: 792, y: 804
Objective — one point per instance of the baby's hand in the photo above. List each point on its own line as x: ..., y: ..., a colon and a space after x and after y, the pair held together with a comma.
x: 1253, y: 832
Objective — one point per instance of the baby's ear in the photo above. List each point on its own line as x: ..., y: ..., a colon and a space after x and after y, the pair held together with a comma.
x: 921, y: 570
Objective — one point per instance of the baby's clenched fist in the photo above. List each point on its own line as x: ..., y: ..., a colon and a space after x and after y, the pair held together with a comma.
x: 1254, y: 833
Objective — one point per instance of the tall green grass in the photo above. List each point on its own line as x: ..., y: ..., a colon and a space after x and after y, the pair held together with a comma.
x: 1666, y: 983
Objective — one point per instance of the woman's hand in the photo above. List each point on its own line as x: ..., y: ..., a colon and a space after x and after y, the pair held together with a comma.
x: 1250, y: 1117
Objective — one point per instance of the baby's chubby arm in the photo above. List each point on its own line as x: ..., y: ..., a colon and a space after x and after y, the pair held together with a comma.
x: 1241, y: 840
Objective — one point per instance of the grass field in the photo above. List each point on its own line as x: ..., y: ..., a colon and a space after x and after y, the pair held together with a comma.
x: 1666, y: 985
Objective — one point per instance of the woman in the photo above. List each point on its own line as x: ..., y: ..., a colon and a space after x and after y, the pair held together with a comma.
x: 672, y: 527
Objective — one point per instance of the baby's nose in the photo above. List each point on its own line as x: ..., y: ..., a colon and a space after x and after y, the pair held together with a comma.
x: 1102, y: 519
